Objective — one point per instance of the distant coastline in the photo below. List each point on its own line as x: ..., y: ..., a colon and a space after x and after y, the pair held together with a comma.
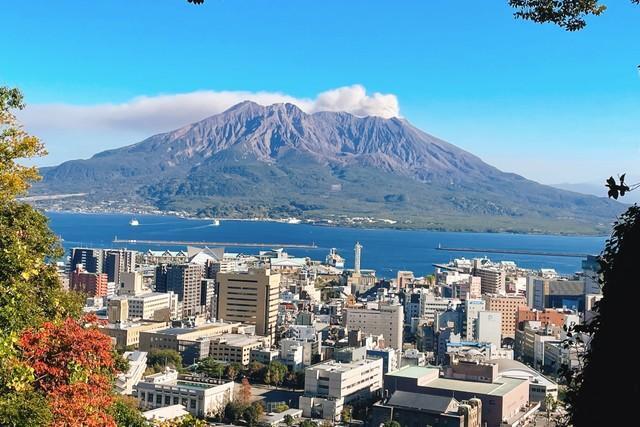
x: 333, y: 223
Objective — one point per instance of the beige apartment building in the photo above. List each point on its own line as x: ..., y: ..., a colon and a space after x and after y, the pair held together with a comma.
x: 492, y: 280
x: 250, y: 297
x: 508, y: 306
x: 387, y: 320
x: 127, y: 334
x: 171, y: 338
x: 235, y: 348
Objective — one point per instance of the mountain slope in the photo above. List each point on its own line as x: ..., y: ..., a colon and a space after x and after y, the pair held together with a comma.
x: 278, y: 161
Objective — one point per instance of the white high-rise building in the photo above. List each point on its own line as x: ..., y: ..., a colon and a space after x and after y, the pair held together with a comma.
x: 471, y: 309
x: 331, y: 385
x: 490, y: 327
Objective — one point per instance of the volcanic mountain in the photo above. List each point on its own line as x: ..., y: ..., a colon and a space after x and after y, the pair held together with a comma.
x: 278, y: 161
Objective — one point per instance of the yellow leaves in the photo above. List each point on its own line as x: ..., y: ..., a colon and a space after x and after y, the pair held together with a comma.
x: 15, y: 144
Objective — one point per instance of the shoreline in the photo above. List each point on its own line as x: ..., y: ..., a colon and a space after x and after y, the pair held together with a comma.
x: 315, y: 223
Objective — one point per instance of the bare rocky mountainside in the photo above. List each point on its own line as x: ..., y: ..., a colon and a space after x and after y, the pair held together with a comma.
x: 278, y: 162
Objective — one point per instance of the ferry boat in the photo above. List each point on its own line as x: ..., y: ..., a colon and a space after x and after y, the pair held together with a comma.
x: 215, y: 223
x: 134, y: 222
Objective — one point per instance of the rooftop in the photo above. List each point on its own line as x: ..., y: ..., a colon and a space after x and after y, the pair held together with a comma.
x: 334, y: 366
x: 500, y: 387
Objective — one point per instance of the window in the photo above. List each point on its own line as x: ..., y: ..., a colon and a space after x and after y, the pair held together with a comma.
x: 192, y: 404
x: 159, y: 399
x: 150, y: 397
x: 167, y: 400
x: 175, y: 400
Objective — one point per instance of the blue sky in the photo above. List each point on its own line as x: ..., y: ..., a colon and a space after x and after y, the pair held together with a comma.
x: 532, y: 99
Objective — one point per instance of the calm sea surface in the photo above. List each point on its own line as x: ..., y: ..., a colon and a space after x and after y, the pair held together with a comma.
x: 386, y: 251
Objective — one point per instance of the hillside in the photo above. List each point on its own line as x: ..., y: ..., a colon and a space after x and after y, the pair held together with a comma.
x: 277, y: 161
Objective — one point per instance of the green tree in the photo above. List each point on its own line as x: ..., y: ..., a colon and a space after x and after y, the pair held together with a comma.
x: 345, y: 414
x: 126, y: 414
x: 392, y: 423
x: 158, y: 359
x: 30, y: 290
x: 288, y: 420
x: 275, y: 374
x: 233, y: 412
x: 26, y: 408
x: 210, y: 367
x: 233, y: 370
x: 308, y: 423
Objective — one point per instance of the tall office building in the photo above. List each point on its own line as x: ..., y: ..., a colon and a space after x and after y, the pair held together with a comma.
x: 386, y: 321
x: 185, y: 281
x: 489, y: 327
x: 492, y: 280
x: 250, y: 297
x: 470, y: 319
x: 117, y: 261
x: 90, y: 259
x: 508, y: 307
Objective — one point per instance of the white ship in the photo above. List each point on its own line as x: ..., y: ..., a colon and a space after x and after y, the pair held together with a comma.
x: 134, y: 222
x: 215, y: 222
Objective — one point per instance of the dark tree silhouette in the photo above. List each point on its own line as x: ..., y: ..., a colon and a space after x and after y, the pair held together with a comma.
x: 605, y: 379
x: 568, y: 14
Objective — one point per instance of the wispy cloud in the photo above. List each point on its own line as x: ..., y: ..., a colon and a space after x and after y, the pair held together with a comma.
x: 165, y: 112
x: 72, y: 131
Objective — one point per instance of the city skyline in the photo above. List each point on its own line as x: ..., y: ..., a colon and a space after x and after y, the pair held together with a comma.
x: 530, y: 99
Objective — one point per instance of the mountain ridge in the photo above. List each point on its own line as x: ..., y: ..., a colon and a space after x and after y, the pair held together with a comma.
x: 277, y: 160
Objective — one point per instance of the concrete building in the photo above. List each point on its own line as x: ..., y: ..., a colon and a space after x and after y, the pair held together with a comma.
x: 250, y: 297
x: 127, y: 334
x: 329, y: 386
x: 91, y: 284
x: 555, y: 317
x: 508, y: 307
x: 131, y: 284
x: 235, y: 348
x: 387, y: 320
x: 126, y: 381
x: 390, y: 358
x: 530, y: 342
x: 185, y: 281
x: 311, y: 349
x: 505, y: 400
x: 555, y: 293
x: 539, y: 385
x: 492, y: 280
x: 90, y: 259
x: 489, y: 327
x: 118, y: 261
x: 469, y: 288
x: 193, y: 343
x: 422, y: 409
x: 263, y: 355
x: 470, y: 317
x: 150, y: 306
x: 118, y: 310
x: 199, y: 397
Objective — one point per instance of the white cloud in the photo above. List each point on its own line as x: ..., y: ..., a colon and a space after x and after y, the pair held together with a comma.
x: 166, y: 112
x: 72, y: 131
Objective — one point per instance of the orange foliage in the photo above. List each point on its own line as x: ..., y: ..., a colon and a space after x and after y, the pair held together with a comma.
x: 73, y: 365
